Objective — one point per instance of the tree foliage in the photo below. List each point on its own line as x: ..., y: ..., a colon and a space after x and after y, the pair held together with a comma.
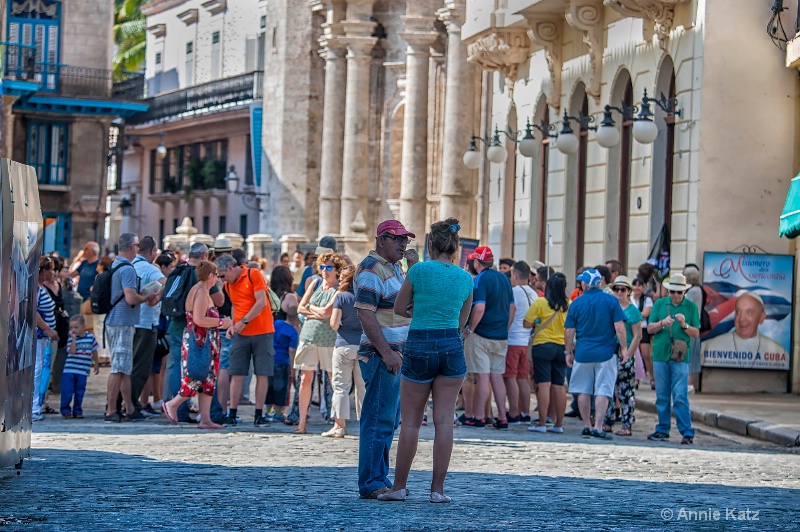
x: 129, y: 36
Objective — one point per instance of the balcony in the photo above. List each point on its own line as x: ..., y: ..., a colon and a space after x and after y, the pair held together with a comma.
x: 209, y: 97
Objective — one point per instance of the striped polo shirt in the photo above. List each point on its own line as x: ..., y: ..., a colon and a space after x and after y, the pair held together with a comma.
x: 80, y: 362
x: 377, y: 283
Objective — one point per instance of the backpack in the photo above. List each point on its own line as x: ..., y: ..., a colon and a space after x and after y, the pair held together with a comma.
x: 176, y: 289
x: 272, y: 298
x: 101, y: 291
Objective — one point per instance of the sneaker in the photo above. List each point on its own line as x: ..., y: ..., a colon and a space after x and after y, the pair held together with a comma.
x: 157, y: 404
x: 462, y: 418
x: 38, y: 417
x: 537, y: 428
x: 556, y: 430
x: 586, y: 433
x: 525, y: 420
x: 229, y: 422
x: 144, y: 413
x: 500, y: 424
x: 603, y: 435
x: 658, y: 436
x: 135, y: 416
x: 261, y: 421
x: 151, y: 411
x: 687, y: 440
x: 474, y: 422
x: 516, y: 420
x: 572, y: 413
x: 424, y: 420
x: 115, y: 417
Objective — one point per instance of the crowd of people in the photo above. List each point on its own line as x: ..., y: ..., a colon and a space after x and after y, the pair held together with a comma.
x: 394, y: 333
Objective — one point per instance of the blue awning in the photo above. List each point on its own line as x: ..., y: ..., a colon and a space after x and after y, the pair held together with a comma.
x: 790, y: 219
x: 80, y: 106
x: 16, y: 87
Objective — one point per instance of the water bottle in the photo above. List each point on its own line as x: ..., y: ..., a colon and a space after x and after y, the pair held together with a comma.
x: 44, y: 382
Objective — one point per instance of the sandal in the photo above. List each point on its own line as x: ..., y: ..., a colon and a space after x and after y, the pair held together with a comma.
x: 607, y: 428
x: 169, y: 414
x: 301, y: 429
x: 624, y: 432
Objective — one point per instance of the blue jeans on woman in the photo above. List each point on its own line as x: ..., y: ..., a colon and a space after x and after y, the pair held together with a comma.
x: 672, y: 382
x: 380, y: 416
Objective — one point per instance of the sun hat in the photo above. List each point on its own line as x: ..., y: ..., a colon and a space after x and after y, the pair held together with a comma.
x: 676, y: 282
x: 482, y: 253
x: 222, y: 245
x: 621, y: 280
x: 393, y: 227
x: 591, y: 277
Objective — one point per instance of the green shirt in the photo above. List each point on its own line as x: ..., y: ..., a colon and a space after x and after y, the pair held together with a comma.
x: 632, y: 317
x: 661, y: 342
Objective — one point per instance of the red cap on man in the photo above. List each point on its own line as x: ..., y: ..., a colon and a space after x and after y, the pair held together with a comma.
x: 481, y: 253
x: 393, y: 227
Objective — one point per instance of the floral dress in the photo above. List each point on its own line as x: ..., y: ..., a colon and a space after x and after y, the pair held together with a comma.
x: 189, y: 387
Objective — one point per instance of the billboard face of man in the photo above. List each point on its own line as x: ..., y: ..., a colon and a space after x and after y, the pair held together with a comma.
x: 749, y: 315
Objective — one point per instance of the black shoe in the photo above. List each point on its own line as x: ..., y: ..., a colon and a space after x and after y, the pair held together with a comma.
x: 601, y: 434
x: 687, y: 440
x: 572, y: 413
x: 586, y: 433
x: 136, y: 416
x: 516, y: 420
x: 658, y: 436
x: 462, y: 419
x: 260, y: 421
x: 525, y: 420
x: 218, y: 420
x: 229, y: 421
x: 115, y: 418
x: 474, y: 422
x: 500, y: 425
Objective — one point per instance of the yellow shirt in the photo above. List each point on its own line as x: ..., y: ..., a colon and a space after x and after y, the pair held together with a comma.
x: 554, y: 332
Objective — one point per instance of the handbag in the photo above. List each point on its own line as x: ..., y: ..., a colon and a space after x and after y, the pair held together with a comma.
x: 678, y: 348
x: 198, y: 358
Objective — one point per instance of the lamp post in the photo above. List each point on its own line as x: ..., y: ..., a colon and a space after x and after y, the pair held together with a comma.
x: 125, y: 207
x: 250, y: 197
x: 567, y: 141
x: 645, y: 130
x: 496, y: 152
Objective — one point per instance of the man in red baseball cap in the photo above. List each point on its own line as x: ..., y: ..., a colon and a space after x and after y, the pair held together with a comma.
x: 486, y: 338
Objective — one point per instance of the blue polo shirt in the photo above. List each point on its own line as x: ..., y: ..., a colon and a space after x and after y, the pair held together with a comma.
x: 494, y: 290
x: 285, y: 338
x: 593, y: 316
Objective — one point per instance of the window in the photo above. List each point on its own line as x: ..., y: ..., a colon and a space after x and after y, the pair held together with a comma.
x: 248, y: 166
x: 57, y: 232
x: 216, y: 56
x: 206, y: 225
x: 263, y: 22
x: 200, y: 166
x: 161, y: 233
x: 189, y: 67
x: 243, y: 225
x: 582, y: 164
x: 37, y: 26
x: 222, y: 222
x: 158, y: 58
x: 626, y: 152
x: 47, y: 151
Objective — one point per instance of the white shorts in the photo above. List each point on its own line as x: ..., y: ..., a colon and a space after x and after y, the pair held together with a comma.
x: 594, y: 378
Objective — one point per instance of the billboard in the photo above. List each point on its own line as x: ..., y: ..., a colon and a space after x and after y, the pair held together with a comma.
x: 749, y: 300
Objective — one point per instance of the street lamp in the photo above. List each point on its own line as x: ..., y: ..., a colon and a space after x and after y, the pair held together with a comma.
x: 125, y: 206
x: 608, y: 134
x: 250, y: 197
x: 567, y: 141
x: 645, y: 130
x: 496, y: 152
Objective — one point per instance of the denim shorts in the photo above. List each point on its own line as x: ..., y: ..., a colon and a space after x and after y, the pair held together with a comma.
x: 431, y: 353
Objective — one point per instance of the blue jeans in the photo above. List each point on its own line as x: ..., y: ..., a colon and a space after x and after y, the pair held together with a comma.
x: 672, y: 382
x: 72, y: 384
x: 380, y: 416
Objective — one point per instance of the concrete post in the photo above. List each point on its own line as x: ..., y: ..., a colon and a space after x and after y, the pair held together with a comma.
x: 457, y: 196
x: 414, y: 173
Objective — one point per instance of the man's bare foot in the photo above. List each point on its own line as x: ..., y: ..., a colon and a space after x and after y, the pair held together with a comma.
x: 209, y: 426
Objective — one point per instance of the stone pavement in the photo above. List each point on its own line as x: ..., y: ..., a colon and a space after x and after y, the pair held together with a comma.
x: 769, y: 417
x: 91, y: 475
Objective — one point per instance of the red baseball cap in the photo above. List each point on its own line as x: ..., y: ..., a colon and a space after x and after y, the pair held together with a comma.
x: 393, y: 227
x: 482, y: 253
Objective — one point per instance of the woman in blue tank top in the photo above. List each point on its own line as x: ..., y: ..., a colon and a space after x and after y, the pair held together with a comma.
x: 437, y: 296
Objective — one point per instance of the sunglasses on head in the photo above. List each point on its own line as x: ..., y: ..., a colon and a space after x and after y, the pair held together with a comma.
x: 326, y: 268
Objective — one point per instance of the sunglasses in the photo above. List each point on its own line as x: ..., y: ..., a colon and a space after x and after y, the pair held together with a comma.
x: 676, y: 291
x: 326, y: 268
x: 617, y: 289
x: 398, y: 238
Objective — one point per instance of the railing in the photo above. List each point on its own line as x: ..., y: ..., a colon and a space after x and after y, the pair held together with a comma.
x: 67, y: 80
x: 214, y: 95
x: 129, y: 89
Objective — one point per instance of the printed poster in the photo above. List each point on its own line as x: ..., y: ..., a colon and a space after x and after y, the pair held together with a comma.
x: 749, y: 300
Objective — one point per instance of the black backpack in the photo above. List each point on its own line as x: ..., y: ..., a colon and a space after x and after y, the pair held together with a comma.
x: 179, y: 282
x: 101, y: 291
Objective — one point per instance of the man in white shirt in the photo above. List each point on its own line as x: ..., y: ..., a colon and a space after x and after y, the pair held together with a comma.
x: 517, y: 364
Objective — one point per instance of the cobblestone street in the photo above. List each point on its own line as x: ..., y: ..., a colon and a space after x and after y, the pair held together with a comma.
x: 91, y: 475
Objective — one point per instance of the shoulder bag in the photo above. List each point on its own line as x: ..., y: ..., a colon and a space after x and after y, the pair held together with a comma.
x: 198, y: 358
x: 678, y: 348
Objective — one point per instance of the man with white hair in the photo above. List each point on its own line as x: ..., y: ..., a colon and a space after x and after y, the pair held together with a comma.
x: 744, y: 343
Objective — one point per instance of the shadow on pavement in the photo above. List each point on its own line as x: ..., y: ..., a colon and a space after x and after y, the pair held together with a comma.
x: 94, y: 490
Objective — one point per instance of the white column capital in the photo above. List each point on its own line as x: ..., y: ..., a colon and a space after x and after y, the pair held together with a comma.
x: 453, y: 14
x: 588, y: 17
x: 547, y: 34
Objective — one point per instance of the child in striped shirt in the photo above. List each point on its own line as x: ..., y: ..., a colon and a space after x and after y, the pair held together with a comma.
x: 81, y: 353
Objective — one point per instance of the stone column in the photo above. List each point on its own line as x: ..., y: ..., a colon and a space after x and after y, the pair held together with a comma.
x: 414, y: 174
x: 457, y: 197
x: 256, y: 242
x: 7, y: 143
x: 355, y: 170
x: 330, y: 186
x: 290, y: 242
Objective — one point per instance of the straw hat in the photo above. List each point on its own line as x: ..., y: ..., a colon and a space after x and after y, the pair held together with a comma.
x: 676, y: 282
x: 621, y: 280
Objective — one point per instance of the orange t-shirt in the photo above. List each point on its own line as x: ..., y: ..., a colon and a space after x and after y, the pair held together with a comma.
x: 243, y: 297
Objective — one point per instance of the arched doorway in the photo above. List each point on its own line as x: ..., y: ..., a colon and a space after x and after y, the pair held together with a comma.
x: 537, y: 229
x: 663, y: 155
x: 619, y: 176
x: 575, y: 193
x: 509, y: 190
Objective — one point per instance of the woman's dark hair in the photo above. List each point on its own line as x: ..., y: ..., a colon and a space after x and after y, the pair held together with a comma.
x: 555, y: 292
x: 105, y: 263
x: 165, y: 259
x: 646, y: 272
x: 281, y: 280
x: 346, y: 278
x: 444, y: 236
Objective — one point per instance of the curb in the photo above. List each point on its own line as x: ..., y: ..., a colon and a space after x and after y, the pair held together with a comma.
x: 754, y: 428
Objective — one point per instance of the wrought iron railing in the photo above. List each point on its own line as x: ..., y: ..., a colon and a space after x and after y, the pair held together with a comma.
x: 68, y: 80
x: 129, y: 89
x: 214, y: 95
